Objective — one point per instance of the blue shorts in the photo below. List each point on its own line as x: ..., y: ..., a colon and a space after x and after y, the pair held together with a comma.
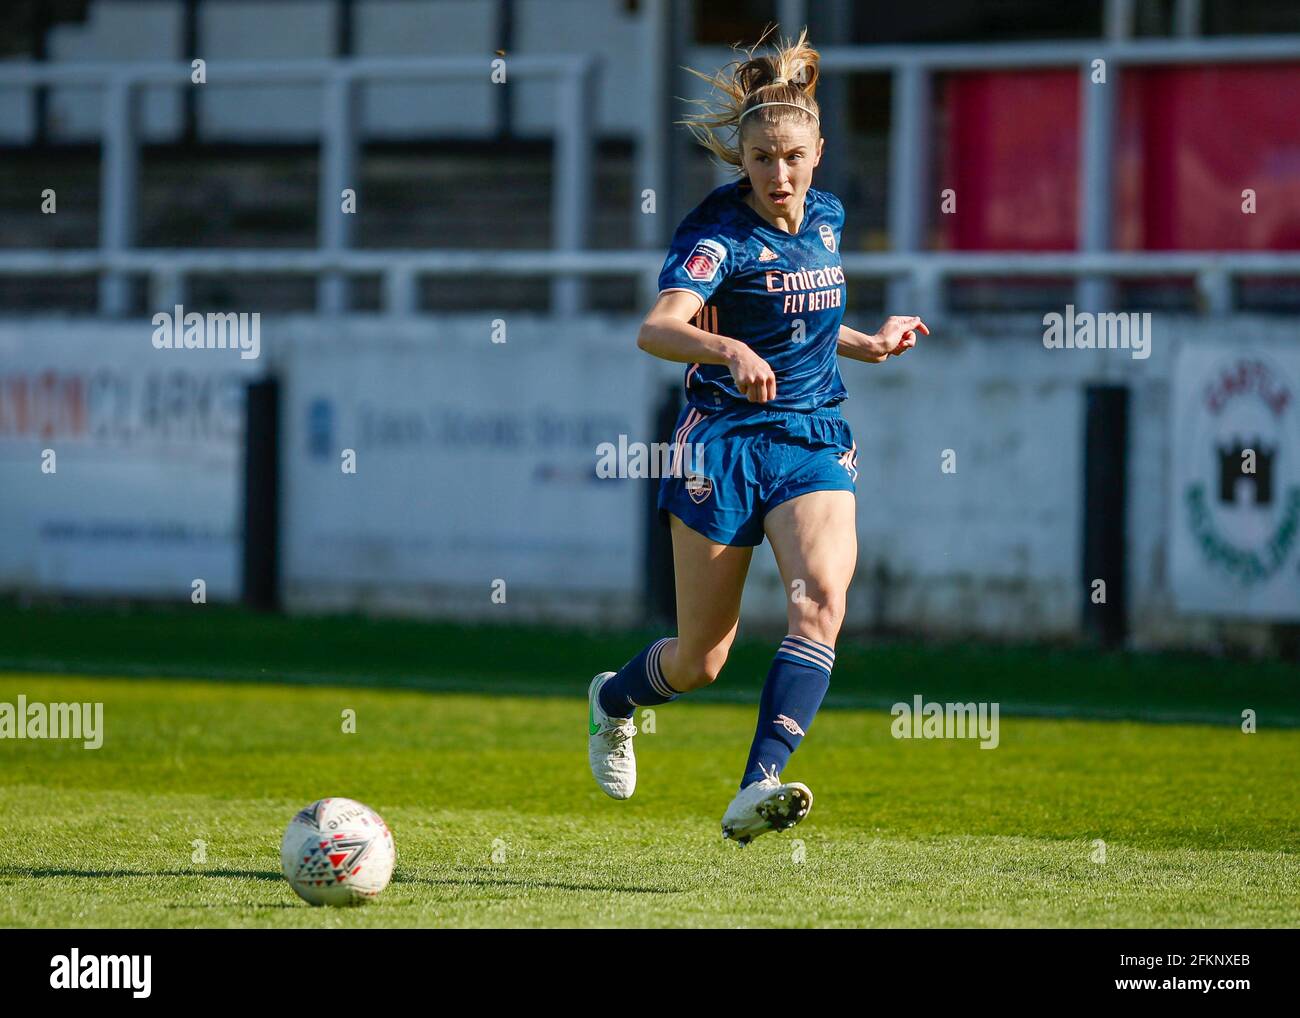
x: 730, y: 467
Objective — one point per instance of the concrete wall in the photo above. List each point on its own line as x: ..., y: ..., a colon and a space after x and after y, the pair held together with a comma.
x: 992, y: 549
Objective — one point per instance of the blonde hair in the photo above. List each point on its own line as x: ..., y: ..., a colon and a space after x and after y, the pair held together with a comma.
x: 777, y: 83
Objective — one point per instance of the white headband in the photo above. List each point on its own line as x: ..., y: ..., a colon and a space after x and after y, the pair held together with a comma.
x: 759, y: 106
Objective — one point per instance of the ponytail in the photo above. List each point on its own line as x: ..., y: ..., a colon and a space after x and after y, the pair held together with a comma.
x: 765, y: 90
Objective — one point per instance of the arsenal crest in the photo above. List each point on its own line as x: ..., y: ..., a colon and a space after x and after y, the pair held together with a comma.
x: 699, y: 488
x: 828, y: 236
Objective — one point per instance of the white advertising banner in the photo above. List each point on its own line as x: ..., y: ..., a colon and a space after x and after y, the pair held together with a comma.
x: 456, y: 462
x: 119, y: 462
x: 1235, y: 475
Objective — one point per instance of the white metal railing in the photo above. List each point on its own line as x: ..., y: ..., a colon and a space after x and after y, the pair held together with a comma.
x: 119, y: 174
x: 916, y: 275
x: 1214, y: 272
x: 913, y: 69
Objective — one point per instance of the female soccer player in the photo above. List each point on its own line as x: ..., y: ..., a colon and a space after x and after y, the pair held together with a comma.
x: 752, y: 298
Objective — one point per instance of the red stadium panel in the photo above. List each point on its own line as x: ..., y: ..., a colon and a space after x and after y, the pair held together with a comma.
x: 1012, y: 156
x: 1189, y: 141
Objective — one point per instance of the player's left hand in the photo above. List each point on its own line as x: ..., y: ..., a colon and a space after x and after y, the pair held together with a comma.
x: 899, y: 333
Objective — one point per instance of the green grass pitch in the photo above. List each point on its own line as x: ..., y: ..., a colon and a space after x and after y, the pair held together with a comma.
x: 471, y: 743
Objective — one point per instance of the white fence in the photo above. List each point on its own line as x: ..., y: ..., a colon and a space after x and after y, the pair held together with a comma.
x: 577, y: 80
x: 923, y: 277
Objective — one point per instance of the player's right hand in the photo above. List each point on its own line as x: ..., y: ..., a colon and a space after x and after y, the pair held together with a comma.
x: 754, y: 377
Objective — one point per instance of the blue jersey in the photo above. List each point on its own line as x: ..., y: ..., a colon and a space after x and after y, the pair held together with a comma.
x: 780, y: 293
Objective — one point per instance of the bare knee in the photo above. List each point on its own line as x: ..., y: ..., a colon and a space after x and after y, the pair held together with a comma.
x: 817, y: 613
x: 689, y: 671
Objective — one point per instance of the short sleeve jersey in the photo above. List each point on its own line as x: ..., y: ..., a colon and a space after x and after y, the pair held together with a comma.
x: 782, y: 294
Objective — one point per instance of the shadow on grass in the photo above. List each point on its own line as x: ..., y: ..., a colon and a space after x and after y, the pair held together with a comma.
x: 486, y: 879
x: 491, y: 879
x: 37, y: 872
x: 248, y: 910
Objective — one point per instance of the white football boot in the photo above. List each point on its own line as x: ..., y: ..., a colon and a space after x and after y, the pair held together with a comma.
x: 609, y: 745
x: 769, y: 804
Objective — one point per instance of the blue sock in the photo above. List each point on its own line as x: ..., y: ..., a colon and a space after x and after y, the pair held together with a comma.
x: 794, y: 689
x: 640, y: 683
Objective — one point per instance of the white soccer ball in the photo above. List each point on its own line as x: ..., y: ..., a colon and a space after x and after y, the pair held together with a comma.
x: 337, y: 852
